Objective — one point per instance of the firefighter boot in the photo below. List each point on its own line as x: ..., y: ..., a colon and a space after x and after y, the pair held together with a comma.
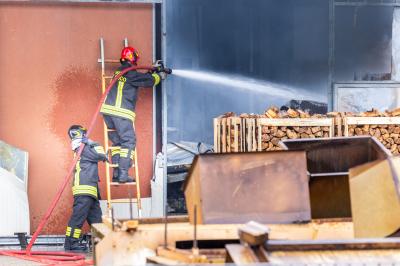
x: 123, y: 175
x: 115, y: 161
x: 73, y: 245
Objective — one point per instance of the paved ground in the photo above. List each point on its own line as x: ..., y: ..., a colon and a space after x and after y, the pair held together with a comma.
x: 10, y: 261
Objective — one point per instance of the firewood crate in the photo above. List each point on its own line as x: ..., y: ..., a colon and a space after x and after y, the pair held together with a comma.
x: 228, y: 134
x: 270, y: 131
x: 385, y: 129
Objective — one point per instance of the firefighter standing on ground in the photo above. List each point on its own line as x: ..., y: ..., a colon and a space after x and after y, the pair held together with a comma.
x: 85, y: 187
x: 119, y: 112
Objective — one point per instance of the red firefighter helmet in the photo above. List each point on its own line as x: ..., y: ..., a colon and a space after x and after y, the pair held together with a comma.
x: 130, y: 54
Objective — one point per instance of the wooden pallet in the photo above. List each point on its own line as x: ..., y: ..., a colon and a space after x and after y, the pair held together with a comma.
x: 228, y: 135
x: 293, y: 122
x: 250, y: 136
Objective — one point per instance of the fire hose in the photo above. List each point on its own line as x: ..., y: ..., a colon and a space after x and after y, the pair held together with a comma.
x: 65, y: 257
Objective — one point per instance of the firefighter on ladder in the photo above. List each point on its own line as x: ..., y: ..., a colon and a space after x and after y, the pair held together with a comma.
x: 119, y: 112
x: 85, y: 188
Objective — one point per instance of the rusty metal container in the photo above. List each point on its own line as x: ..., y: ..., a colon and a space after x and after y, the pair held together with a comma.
x: 328, y: 164
x: 270, y: 187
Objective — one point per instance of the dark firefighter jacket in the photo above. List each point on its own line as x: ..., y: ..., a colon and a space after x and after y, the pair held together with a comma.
x: 86, y: 175
x: 121, y: 100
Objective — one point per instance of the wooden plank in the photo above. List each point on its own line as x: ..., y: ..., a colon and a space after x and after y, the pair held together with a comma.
x: 174, y: 254
x: 341, y: 257
x: 246, y: 137
x: 346, y: 127
x: 338, y: 122
x: 250, y: 132
x: 332, y: 129
x: 223, y: 125
x: 170, y: 219
x: 254, y: 140
x: 243, y: 134
x: 259, y: 134
x: 333, y: 244
x: 308, y: 122
x: 100, y: 230
x: 372, y: 121
x: 240, y: 254
x: 215, y: 122
x: 228, y: 139
x: 236, y: 138
x: 163, y: 261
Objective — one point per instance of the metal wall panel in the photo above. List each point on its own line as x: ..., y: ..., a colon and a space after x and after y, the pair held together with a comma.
x: 284, y: 42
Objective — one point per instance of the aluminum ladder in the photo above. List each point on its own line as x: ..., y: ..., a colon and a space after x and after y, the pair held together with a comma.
x: 105, y: 79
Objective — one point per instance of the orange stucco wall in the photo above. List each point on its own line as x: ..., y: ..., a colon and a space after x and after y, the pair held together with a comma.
x: 50, y: 79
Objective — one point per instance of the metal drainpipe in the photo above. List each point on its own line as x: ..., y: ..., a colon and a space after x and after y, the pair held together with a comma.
x: 164, y: 103
x: 154, y: 90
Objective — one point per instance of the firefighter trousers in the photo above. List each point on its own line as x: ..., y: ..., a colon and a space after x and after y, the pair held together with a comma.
x: 123, y: 138
x: 85, y: 208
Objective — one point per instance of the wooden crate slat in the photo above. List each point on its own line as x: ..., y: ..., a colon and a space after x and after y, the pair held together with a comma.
x: 338, y: 124
x: 223, y: 124
x: 253, y: 137
x: 372, y: 120
x: 295, y: 122
x: 332, y: 128
x: 216, y: 134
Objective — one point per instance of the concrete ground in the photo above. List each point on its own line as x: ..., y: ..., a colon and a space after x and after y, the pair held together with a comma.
x: 11, y: 261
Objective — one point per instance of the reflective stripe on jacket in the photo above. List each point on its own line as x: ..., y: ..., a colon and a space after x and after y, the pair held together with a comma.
x: 86, y: 174
x: 121, y: 100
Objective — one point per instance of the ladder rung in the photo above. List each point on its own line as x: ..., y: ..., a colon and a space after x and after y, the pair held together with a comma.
x: 108, y: 77
x: 110, y: 130
x: 123, y: 184
x: 109, y: 60
x: 123, y: 200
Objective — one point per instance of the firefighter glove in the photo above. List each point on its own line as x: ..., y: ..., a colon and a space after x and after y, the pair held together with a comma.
x: 162, y: 75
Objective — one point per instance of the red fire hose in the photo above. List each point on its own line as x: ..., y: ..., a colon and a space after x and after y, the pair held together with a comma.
x: 64, y: 257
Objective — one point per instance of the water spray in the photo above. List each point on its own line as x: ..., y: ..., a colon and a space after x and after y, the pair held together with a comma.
x: 248, y: 84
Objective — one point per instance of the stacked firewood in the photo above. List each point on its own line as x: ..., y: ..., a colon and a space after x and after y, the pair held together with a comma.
x: 274, y: 112
x: 272, y: 135
x: 388, y: 135
x: 264, y: 135
x: 372, y: 113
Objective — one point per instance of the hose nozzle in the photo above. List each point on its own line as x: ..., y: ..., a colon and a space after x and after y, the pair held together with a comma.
x: 168, y: 70
x: 159, y: 67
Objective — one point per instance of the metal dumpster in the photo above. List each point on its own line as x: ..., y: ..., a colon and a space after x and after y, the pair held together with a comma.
x: 267, y: 187
x: 328, y: 164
